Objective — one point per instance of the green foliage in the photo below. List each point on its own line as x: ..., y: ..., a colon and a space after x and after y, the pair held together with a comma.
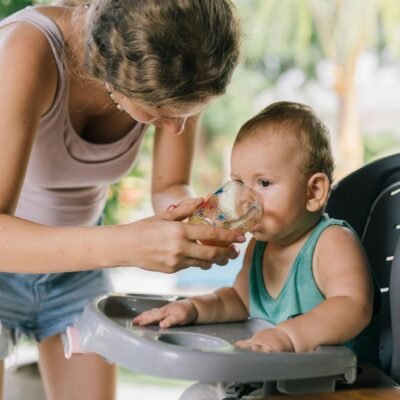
x: 380, y: 144
x: 133, y: 190
x: 278, y: 35
x: 8, y: 7
x: 388, y: 32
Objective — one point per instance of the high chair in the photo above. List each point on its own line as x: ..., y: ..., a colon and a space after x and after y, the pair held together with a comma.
x: 369, y: 199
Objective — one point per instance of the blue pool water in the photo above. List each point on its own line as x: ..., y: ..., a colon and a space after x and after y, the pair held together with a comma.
x: 215, y: 277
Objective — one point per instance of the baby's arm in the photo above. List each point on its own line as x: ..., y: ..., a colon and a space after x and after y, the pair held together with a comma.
x: 341, y: 272
x: 224, y: 305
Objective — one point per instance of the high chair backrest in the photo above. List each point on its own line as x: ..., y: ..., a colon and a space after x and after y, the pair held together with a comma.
x: 395, y: 313
x: 369, y: 199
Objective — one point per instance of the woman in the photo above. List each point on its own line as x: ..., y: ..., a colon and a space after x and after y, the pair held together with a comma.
x: 80, y: 85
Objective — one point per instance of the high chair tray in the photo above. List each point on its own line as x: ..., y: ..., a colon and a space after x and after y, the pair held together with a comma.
x: 198, y: 352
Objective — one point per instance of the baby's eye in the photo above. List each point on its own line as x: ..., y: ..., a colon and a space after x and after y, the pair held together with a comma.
x: 264, y: 183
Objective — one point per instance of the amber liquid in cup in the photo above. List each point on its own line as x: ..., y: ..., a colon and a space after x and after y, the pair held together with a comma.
x: 233, y: 206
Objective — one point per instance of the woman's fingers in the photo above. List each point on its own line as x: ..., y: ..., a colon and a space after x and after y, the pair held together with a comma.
x: 204, y: 256
x: 203, y: 264
x: 181, y: 211
x: 169, y: 246
x: 210, y: 235
x: 198, y: 251
x: 222, y: 263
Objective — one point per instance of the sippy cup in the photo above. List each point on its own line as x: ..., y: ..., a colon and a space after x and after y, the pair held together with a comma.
x: 233, y: 206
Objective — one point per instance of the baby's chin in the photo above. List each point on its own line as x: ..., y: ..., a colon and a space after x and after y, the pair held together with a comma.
x: 260, y: 236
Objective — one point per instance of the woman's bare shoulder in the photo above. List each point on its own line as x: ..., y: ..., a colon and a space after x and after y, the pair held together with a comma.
x: 27, y: 60
x: 25, y: 40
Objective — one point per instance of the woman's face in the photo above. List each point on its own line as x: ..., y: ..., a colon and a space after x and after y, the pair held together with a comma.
x: 171, y: 119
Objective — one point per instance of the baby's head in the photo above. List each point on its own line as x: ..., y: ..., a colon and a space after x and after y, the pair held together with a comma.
x: 284, y: 153
x: 299, y: 121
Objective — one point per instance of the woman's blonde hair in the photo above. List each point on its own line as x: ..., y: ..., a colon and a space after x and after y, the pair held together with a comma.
x: 301, y: 121
x: 162, y: 52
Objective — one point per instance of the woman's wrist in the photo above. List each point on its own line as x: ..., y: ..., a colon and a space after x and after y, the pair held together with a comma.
x: 111, y: 245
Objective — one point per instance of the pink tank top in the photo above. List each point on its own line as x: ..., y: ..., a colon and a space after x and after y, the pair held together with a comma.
x: 68, y: 177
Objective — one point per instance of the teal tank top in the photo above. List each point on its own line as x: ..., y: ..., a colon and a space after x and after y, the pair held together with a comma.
x: 300, y: 293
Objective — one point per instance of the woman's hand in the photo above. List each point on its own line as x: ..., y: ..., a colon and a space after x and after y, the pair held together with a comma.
x: 181, y: 312
x: 164, y: 243
x: 271, y: 340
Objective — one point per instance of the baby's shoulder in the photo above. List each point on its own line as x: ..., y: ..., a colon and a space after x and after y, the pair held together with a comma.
x: 336, y: 244
x: 336, y: 235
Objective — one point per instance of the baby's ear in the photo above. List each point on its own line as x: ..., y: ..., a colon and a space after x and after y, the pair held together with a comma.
x: 318, y: 187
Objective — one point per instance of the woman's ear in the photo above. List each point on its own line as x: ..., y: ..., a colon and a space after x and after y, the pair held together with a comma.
x: 318, y: 187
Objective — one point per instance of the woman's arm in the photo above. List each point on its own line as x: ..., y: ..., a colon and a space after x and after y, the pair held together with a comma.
x: 160, y: 243
x: 172, y: 165
x: 29, y: 81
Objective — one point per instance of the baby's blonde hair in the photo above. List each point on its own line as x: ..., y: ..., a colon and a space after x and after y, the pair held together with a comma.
x: 301, y: 121
x: 162, y: 52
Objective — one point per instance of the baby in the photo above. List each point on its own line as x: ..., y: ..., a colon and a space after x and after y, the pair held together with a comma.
x: 303, y: 271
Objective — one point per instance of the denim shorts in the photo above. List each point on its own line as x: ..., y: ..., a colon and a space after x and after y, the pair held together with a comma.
x: 43, y: 305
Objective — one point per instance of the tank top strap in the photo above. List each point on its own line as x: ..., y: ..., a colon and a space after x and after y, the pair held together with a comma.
x: 46, y: 25
x: 325, y: 222
x: 55, y: 38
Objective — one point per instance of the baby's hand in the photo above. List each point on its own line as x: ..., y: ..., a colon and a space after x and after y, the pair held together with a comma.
x: 181, y: 312
x: 271, y: 340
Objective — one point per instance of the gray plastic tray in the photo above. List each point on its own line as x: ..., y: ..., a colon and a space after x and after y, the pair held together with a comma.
x: 203, y: 353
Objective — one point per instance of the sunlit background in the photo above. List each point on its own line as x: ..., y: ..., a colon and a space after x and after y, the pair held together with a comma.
x: 339, y: 56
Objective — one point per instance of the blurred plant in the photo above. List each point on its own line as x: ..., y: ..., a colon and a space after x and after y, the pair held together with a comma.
x: 131, y: 193
x: 286, y: 34
x: 8, y: 7
x: 380, y: 145
x: 278, y: 36
x: 301, y: 32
